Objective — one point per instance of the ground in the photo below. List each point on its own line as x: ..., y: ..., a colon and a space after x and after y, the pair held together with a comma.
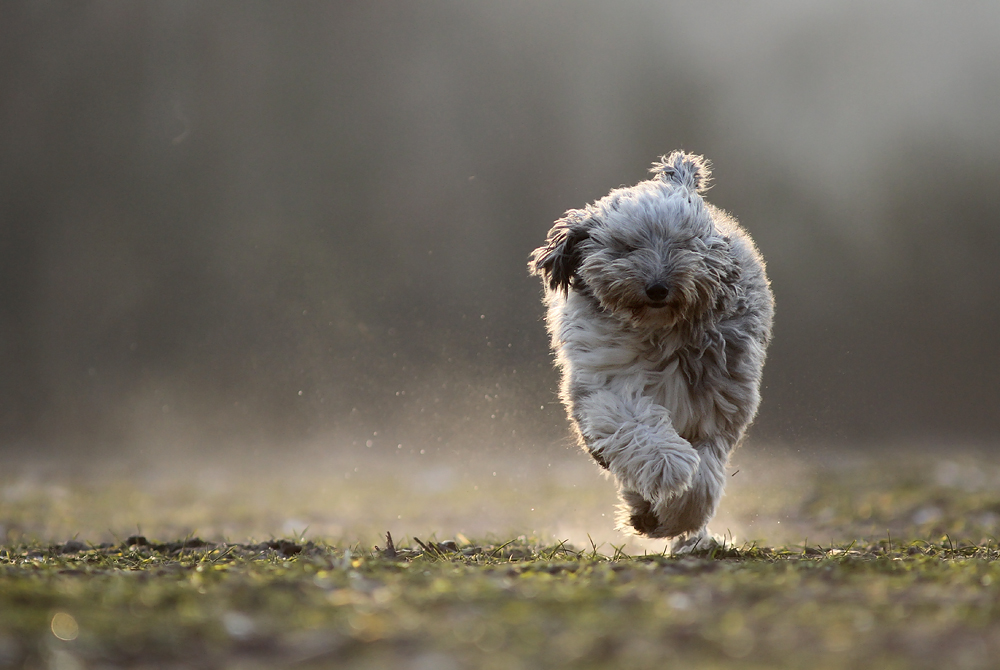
x: 877, y: 558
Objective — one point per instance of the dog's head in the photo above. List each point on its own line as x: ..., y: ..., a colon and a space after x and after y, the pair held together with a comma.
x: 652, y: 253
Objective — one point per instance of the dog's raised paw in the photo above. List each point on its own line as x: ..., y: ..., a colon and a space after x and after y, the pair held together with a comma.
x: 661, y: 474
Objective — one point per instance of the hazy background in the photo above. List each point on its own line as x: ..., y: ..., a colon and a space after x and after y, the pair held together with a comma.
x: 248, y: 223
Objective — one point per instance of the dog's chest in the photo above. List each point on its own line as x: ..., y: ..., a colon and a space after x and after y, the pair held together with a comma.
x: 667, y: 385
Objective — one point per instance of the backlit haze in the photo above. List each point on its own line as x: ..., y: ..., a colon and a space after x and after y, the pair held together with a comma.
x: 246, y: 244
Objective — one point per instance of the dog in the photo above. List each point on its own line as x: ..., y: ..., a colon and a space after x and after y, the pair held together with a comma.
x: 660, y: 312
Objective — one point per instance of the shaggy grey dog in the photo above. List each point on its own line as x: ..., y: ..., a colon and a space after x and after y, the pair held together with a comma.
x: 660, y: 315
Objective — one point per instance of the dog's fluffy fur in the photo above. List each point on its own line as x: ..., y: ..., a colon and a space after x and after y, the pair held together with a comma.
x: 660, y: 314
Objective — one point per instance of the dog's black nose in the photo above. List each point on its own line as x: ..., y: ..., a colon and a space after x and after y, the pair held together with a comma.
x: 657, y: 291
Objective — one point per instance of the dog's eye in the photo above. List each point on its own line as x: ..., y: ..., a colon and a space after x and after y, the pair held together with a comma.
x: 628, y: 248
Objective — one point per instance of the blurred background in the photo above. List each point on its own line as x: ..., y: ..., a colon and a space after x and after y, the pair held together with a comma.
x: 251, y: 224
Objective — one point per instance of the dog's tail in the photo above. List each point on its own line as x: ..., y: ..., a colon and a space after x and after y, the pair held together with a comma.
x: 687, y: 170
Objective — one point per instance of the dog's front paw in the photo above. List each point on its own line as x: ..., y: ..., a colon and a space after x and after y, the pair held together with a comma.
x: 657, y: 473
x: 702, y: 542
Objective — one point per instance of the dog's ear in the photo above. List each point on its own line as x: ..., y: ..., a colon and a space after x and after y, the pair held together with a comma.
x: 558, y: 260
x: 687, y: 170
x: 724, y: 270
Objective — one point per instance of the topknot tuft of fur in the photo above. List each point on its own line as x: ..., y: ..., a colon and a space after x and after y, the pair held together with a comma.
x: 687, y: 170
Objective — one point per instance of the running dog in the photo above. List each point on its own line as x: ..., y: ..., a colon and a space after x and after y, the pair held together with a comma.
x: 660, y: 314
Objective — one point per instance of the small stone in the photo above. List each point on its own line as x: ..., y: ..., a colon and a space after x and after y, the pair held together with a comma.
x: 72, y: 547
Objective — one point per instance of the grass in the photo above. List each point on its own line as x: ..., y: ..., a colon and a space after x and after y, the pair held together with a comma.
x: 924, y: 593
x: 518, y: 604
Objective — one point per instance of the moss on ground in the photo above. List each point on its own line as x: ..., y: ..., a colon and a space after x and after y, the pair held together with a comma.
x: 919, y: 586
x: 518, y: 604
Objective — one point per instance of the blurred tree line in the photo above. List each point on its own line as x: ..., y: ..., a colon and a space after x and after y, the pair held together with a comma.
x: 250, y: 220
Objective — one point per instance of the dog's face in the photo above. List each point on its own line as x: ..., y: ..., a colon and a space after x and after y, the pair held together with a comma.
x: 651, y: 254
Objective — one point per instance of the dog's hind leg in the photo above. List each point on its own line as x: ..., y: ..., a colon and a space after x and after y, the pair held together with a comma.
x: 690, y: 511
